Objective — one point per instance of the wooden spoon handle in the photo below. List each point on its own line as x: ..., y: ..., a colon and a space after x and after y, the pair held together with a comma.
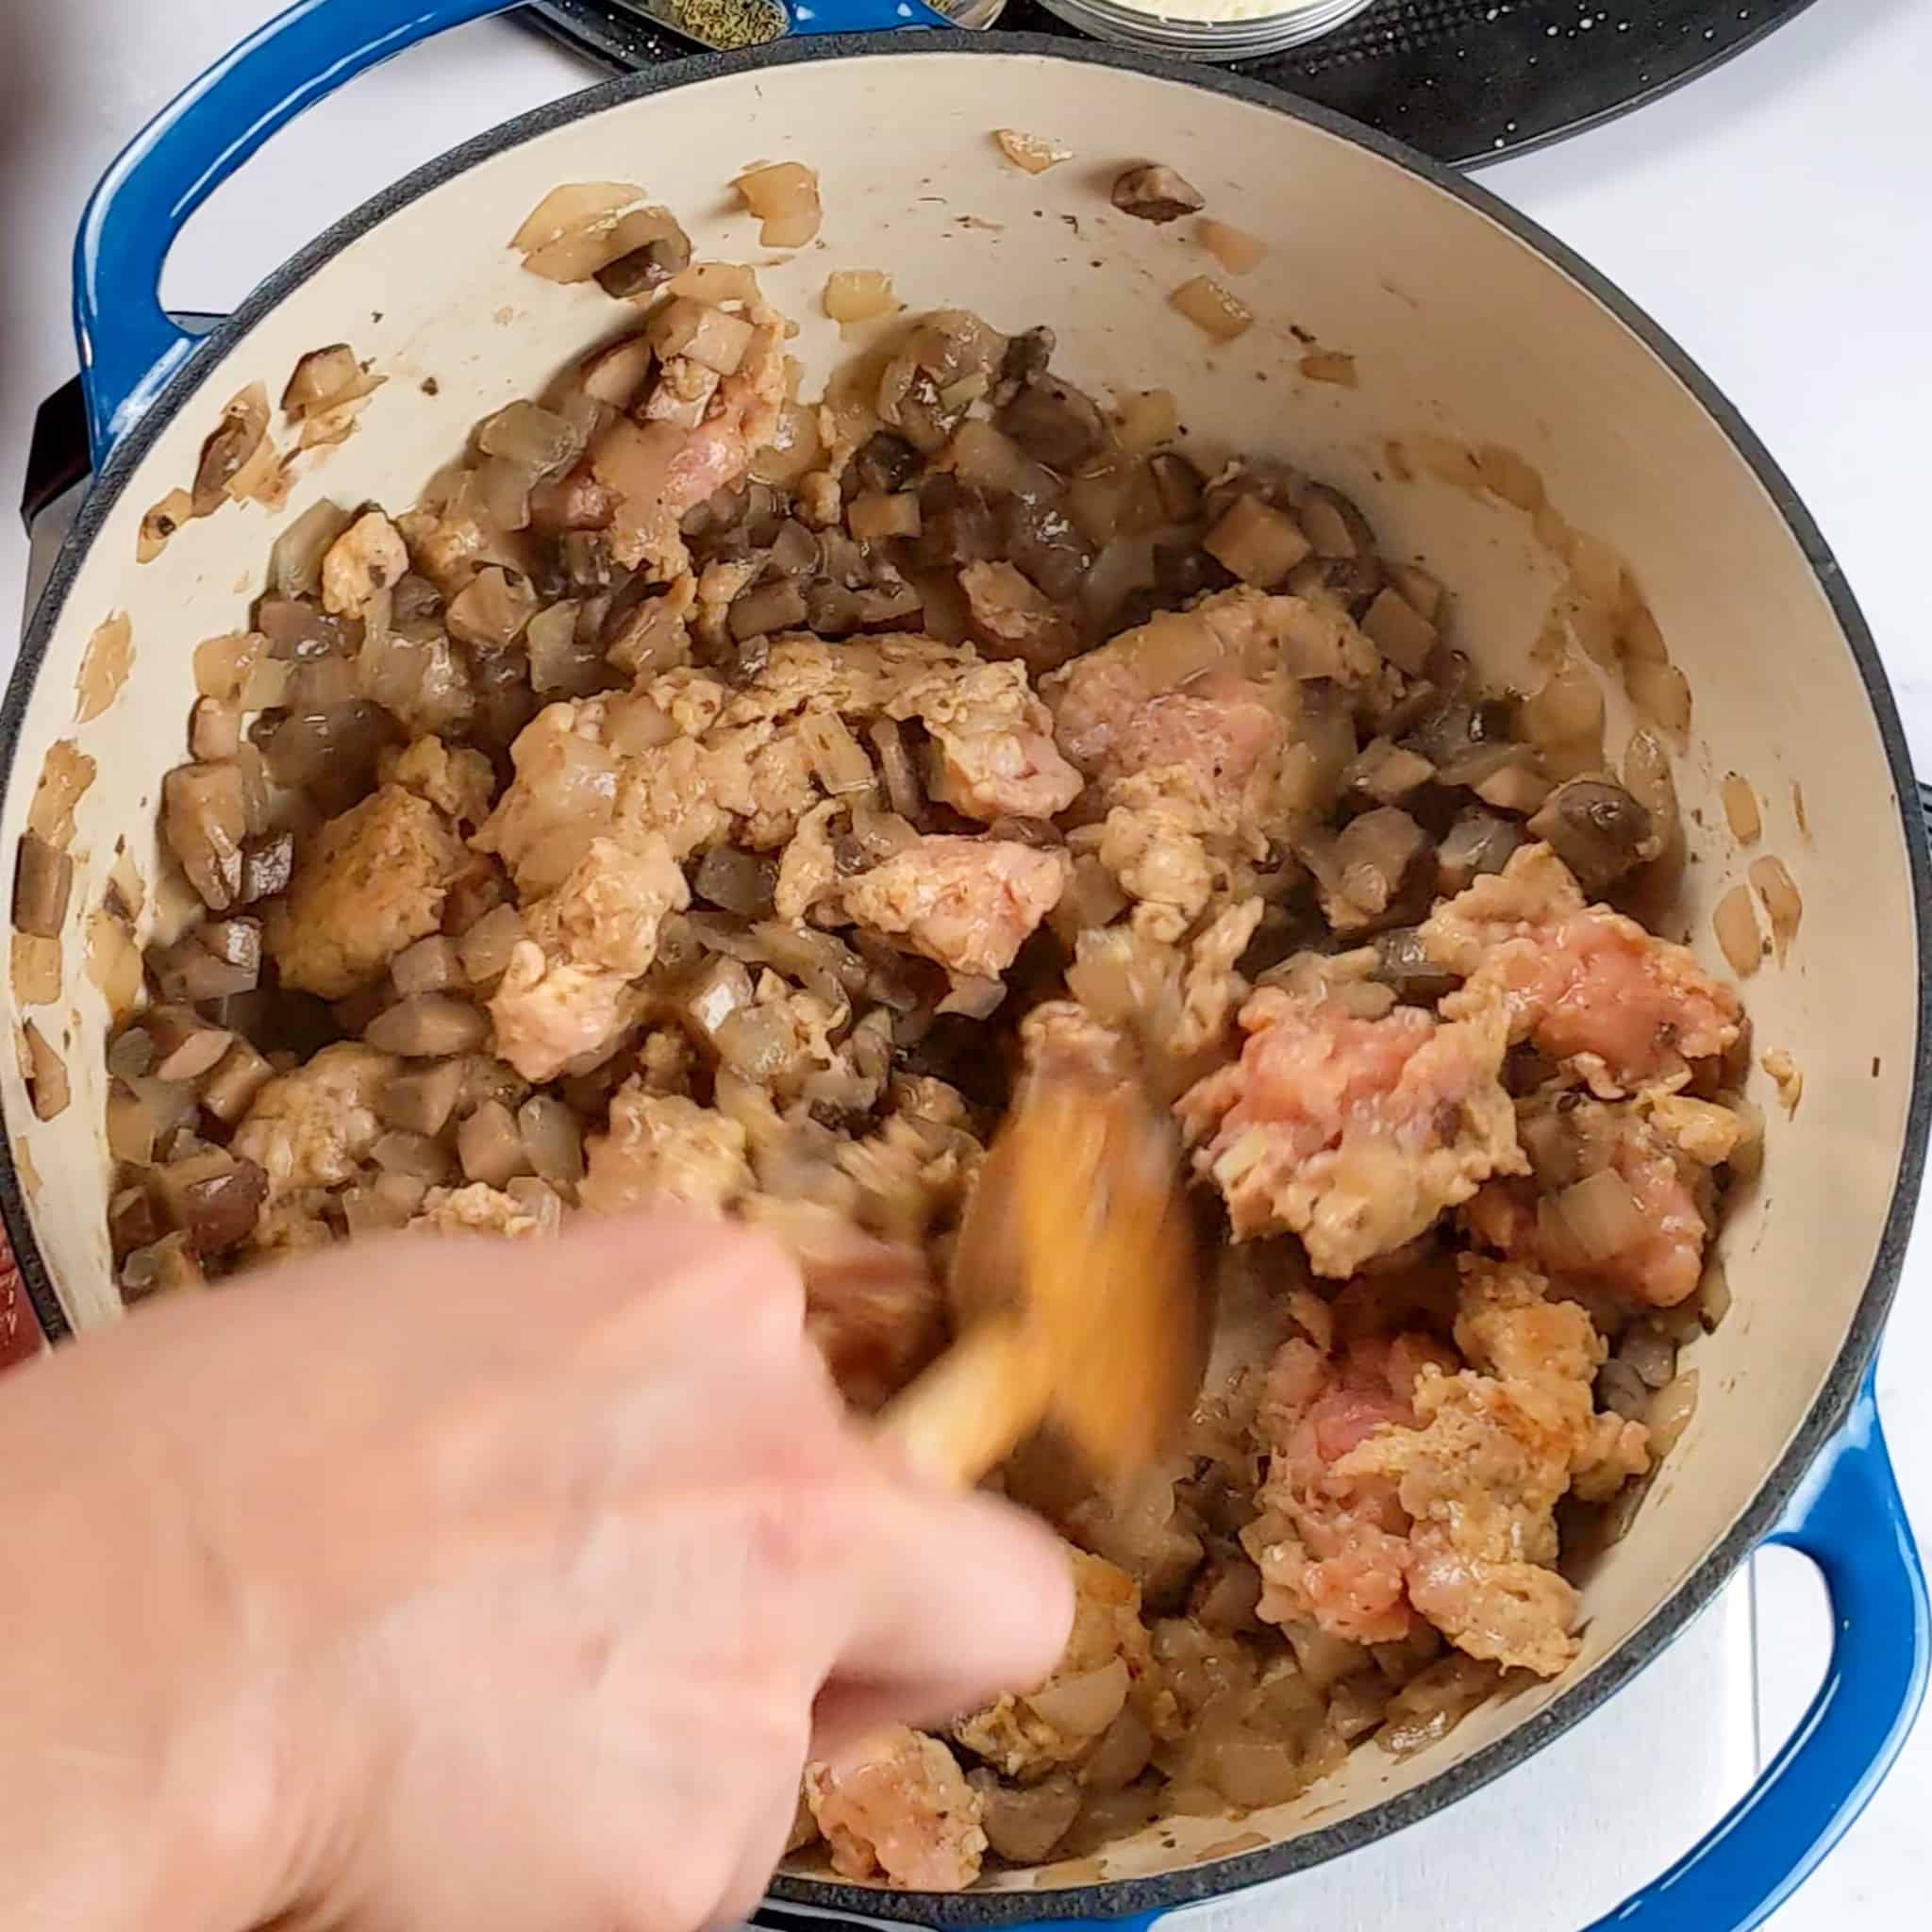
x: 973, y: 1406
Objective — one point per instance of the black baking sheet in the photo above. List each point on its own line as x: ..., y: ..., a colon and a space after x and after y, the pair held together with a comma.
x: 1465, y: 80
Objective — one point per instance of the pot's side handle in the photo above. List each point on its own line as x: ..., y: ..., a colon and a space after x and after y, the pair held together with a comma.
x: 860, y: 16
x: 128, y: 345
x: 1850, y: 1520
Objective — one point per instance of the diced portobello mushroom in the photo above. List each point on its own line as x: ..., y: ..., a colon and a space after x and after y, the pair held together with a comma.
x: 644, y: 270
x: 205, y: 816
x: 767, y: 609
x: 1399, y: 631
x: 736, y: 881
x: 874, y: 515
x: 422, y: 1100
x: 212, y: 1199
x: 491, y: 1146
x: 554, y: 1137
x: 491, y: 609
x: 485, y: 947
x: 1024, y: 1822
x: 1259, y: 543
x: 268, y: 864
x: 186, y: 1046
x: 214, y: 730
x: 1597, y: 829
x: 230, y: 1085
x: 188, y: 973
x: 431, y: 965
x: 1403, y: 961
x: 1155, y: 193
x: 535, y: 440
x: 571, y: 505
x: 390, y: 1202
x: 133, y: 1220
x: 1386, y: 772
x: 1178, y: 484
x: 427, y: 1026
x: 236, y: 942
x: 169, y: 1266
x: 416, y: 1155
x: 1053, y: 423
x: 885, y: 463
x: 131, y: 1053
x: 1478, y: 843
x: 42, y: 883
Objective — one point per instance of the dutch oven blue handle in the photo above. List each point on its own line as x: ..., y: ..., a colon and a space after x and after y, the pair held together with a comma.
x: 1850, y: 1520
x: 128, y: 345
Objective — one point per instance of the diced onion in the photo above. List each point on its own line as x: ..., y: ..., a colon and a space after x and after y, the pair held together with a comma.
x: 574, y: 206
x: 715, y: 282
x: 859, y: 294
x: 1603, y: 1215
x: 1212, y: 309
x: 1032, y: 153
x: 837, y: 757
x: 1671, y: 1411
x: 785, y: 199
x: 794, y: 449
x: 1084, y: 1705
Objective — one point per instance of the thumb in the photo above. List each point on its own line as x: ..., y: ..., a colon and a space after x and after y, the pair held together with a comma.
x: 953, y: 1601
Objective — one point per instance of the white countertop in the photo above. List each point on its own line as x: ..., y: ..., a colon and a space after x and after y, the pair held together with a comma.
x: 1775, y: 217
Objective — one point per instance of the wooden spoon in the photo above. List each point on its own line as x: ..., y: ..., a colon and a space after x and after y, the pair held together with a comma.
x: 1081, y: 1286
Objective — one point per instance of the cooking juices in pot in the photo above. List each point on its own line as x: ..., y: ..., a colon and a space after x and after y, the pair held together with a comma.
x: 709, y: 797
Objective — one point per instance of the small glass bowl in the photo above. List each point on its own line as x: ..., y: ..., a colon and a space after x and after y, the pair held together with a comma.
x: 1272, y: 27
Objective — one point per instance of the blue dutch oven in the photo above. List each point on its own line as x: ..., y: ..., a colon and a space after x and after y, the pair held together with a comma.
x: 1468, y: 327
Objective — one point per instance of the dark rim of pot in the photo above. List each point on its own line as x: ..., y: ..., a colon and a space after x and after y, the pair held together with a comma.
x: 1122, y: 1897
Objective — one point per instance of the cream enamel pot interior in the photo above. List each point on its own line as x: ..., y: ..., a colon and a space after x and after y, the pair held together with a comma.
x: 1465, y: 324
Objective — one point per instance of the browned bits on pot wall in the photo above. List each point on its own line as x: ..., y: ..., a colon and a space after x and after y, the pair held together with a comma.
x: 104, y: 667
x: 1783, y: 905
x: 159, y: 525
x: 1033, y: 154
x: 325, y: 391
x: 1235, y: 249
x: 1735, y: 922
x: 66, y: 772
x: 44, y: 1072
x: 1329, y: 365
x: 1740, y: 809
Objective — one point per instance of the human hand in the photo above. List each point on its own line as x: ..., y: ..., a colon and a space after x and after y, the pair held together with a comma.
x: 452, y: 1584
